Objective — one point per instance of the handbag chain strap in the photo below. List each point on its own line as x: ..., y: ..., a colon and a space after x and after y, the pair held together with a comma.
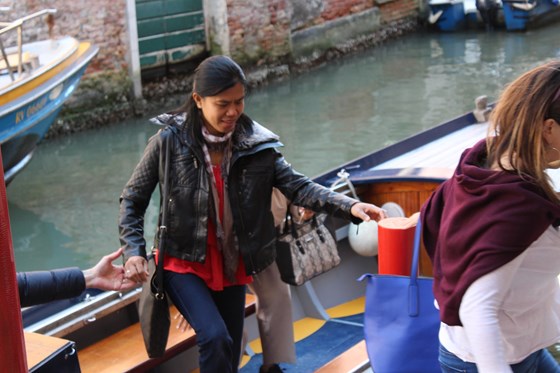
x: 160, y: 293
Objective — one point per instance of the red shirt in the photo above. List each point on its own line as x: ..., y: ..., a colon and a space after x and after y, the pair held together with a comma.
x: 212, y: 270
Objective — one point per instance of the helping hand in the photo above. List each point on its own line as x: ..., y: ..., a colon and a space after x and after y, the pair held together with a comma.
x: 367, y: 211
x: 106, y: 276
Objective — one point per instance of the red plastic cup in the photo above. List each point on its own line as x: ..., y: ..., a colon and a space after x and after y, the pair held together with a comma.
x: 395, y: 244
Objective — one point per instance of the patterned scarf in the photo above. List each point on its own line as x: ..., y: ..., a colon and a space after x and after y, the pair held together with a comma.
x: 224, y: 227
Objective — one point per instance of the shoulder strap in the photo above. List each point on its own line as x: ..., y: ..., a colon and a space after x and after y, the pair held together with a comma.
x: 163, y: 226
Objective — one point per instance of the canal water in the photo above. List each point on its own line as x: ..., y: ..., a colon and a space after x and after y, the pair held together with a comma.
x: 64, y: 205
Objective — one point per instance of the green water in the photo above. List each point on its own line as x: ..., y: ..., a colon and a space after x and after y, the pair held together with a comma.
x: 64, y: 205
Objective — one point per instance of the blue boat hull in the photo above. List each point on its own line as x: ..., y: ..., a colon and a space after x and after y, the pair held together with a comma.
x: 452, y: 18
x: 25, y: 120
x: 520, y: 20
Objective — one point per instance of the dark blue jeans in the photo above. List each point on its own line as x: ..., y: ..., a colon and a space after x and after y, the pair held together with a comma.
x: 540, y: 361
x: 216, y: 316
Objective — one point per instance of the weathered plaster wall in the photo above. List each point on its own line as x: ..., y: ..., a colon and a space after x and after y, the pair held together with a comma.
x: 259, y: 31
x: 277, y: 30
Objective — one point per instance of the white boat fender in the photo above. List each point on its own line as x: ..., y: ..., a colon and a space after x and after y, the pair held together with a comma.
x: 433, y: 18
x: 526, y: 6
x: 363, y: 238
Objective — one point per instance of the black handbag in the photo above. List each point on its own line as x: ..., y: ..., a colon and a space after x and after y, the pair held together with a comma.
x: 153, y: 305
x: 305, y: 250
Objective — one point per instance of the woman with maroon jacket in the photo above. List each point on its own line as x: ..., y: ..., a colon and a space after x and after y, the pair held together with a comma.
x: 492, y: 234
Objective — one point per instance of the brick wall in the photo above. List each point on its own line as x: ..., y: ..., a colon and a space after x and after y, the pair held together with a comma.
x: 398, y: 9
x: 259, y: 30
x: 340, y: 8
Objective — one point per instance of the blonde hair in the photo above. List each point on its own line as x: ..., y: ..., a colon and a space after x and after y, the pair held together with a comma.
x: 517, y: 122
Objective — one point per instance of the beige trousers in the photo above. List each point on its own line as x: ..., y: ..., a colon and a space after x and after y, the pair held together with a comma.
x: 274, y: 316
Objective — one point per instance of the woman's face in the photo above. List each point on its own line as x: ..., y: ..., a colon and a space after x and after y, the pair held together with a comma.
x: 221, y: 112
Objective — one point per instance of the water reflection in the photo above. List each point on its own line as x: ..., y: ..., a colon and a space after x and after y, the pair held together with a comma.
x: 64, y: 206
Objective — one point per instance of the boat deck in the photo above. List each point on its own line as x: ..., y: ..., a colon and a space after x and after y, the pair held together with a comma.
x: 332, y: 337
x: 438, y: 159
x: 48, y: 53
x: 441, y: 153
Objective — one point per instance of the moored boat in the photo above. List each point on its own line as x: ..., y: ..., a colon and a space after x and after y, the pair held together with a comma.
x: 521, y: 15
x: 36, y: 78
x: 457, y: 15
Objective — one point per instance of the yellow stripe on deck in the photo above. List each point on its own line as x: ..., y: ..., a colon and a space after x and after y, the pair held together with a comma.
x: 307, y: 326
x: 354, y: 307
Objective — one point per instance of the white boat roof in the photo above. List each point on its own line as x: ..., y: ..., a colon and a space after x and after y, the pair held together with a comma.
x: 441, y: 153
x: 444, y: 153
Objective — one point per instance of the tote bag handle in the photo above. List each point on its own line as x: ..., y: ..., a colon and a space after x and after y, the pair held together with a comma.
x: 413, y: 291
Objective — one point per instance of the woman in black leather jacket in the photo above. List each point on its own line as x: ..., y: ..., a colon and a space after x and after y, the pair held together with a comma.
x: 220, y: 229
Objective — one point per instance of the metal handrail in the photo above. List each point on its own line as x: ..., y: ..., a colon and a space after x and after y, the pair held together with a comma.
x: 18, y: 25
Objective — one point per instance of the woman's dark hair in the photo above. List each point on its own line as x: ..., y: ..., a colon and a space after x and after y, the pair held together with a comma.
x: 213, y: 76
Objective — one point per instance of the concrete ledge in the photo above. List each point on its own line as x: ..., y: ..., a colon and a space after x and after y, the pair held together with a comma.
x: 330, y: 34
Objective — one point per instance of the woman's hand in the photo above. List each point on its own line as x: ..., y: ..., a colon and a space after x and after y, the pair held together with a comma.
x: 367, y: 211
x: 300, y: 214
x: 107, y: 276
x: 136, y: 269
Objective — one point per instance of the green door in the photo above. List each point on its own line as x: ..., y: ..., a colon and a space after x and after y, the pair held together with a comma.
x: 169, y: 31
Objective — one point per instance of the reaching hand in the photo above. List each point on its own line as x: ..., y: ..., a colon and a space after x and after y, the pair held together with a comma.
x: 107, y: 276
x: 367, y: 211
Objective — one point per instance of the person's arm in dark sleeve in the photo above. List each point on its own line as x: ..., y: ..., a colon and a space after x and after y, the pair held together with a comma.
x: 45, y: 286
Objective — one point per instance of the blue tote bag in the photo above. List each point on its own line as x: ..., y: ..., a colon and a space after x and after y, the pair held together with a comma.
x: 401, y: 322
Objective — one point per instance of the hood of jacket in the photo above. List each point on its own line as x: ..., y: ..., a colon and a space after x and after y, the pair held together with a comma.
x: 477, y: 221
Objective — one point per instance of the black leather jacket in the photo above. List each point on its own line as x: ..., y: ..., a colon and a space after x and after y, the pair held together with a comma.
x: 256, y: 167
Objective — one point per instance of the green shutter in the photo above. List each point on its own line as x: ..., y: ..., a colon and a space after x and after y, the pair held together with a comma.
x: 168, y: 30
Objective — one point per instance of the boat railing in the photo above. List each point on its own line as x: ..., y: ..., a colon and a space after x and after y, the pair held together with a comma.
x: 11, y: 63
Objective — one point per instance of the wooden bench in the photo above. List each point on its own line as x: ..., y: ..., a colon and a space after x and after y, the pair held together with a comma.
x: 353, y: 360
x: 124, y: 351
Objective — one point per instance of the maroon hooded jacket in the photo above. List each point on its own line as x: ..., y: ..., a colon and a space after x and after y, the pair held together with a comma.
x: 476, y: 222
